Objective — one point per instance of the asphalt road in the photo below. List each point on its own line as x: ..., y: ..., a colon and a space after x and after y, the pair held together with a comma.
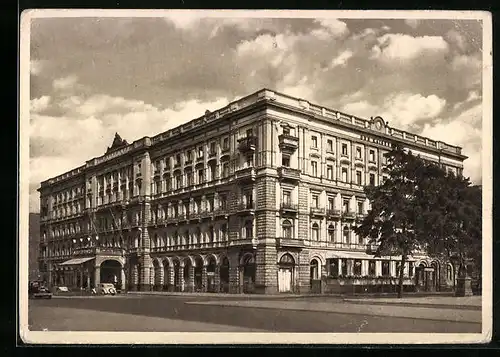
x: 177, y: 313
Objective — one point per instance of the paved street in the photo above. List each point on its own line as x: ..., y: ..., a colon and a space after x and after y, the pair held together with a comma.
x: 182, y: 313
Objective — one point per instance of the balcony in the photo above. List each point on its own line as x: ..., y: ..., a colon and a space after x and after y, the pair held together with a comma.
x: 289, y: 242
x: 317, y: 211
x: 245, y: 175
x: 333, y: 213
x: 289, y: 207
x: 220, y: 212
x: 247, y: 144
x: 246, y: 208
x: 288, y: 174
x: 243, y: 242
x: 288, y: 143
x: 349, y: 215
x: 86, y: 251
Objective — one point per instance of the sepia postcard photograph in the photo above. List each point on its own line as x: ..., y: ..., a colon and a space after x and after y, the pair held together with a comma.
x: 255, y: 177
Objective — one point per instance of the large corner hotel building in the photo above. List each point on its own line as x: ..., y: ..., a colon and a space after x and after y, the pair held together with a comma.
x: 259, y: 196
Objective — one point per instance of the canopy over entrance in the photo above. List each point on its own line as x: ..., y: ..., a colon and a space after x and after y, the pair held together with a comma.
x: 77, y: 261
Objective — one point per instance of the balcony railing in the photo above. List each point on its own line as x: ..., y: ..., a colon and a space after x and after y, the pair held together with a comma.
x: 247, y: 143
x: 317, y: 211
x: 289, y: 207
x: 334, y: 213
x: 288, y: 143
x: 189, y: 246
x: 349, y: 215
x: 243, y: 242
x: 289, y: 242
x: 98, y: 250
x: 245, y: 174
x: 245, y: 207
x: 287, y: 173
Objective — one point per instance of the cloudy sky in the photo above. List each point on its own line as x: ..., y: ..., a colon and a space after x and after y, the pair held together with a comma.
x: 92, y: 77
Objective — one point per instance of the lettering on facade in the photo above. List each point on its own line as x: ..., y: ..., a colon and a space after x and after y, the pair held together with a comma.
x: 113, y: 155
x: 374, y: 140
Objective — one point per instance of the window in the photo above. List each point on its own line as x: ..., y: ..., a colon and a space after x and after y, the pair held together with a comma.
x: 314, y: 168
x: 331, y: 233
x: 358, y: 152
x: 371, y: 268
x: 345, y: 235
x: 158, y: 187
x: 360, y: 207
x: 385, y: 268
x: 285, y: 161
x: 212, y: 148
x: 449, y: 272
x: 200, y: 152
x: 248, y: 229
x: 333, y: 267
x: 372, y: 156
x: 211, y: 234
x: 178, y: 159
x: 314, y: 141
x: 287, y: 229
x: 189, y: 155
x: 189, y: 176
x: 344, y: 174
x: 168, y: 182
x: 356, y: 269
x: 249, y: 132
x: 201, y: 176
x: 286, y: 131
x: 344, y: 267
x: 372, y: 179
x: 225, y: 144
x: 286, y: 198
x: 331, y: 203
x: 212, y: 171
x: 315, y: 232
x: 210, y: 204
x: 344, y: 149
x: 329, y: 172
x: 358, y: 178
x: 223, y: 202
x: 225, y: 169
x: 248, y: 197
x: 315, y: 201
x: 329, y: 145
x: 178, y: 181
x: 223, y: 231
x: 345, y: 205
x: 249, y: 161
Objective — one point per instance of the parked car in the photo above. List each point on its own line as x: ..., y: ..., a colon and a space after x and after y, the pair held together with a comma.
x: 105, y: 289
x: 37, y: 290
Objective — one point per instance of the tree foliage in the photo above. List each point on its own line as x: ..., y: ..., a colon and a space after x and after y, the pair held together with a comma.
x: 420, y: 207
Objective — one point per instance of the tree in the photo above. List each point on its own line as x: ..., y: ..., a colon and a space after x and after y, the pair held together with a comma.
x: 390, y: 223
x: 450, y: 223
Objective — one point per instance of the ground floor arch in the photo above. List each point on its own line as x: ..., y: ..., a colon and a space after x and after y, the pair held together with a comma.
x: 111, y: 272
x: 247, y: 272
x: 224, y: 275
x: 212, y: 281
x: 286, y: 273
x: 315, y: 276
x: 198, y: 274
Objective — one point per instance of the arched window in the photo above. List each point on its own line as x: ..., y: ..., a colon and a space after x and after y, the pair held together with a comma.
x: 198, y: 236
x: 315, y: 232
x: 287, y: 259
x: 248, y: 229
x: 223, y: 232
x: 175, y: 237
x: 331, y: 233
x: 287, y: 229
x: 345, y: 235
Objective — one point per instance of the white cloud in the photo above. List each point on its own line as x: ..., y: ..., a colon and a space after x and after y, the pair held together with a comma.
x: 65, y: 83
x: 36, y: 67
x: 39, y: 104
x: 413, y: 23
x: 456, y: 38
x: 401, y: 110
x: 335, y: 28
x: 341, y: 59
x: 406, y: 47
x: 184, y: 20
x: 464, y: 131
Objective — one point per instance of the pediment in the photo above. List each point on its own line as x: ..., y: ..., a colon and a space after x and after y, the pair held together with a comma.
x: 117, y: 143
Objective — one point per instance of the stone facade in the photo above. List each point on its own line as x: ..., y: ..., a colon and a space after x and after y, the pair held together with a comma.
x: 258, y: 197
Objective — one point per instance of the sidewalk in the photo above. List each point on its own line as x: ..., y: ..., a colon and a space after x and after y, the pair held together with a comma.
x: 225, y: 295
x: 468, y: 302
x: 412, y: 312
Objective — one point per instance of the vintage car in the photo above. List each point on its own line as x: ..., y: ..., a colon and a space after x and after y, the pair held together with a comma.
x: 105, y: 289
x: 37, y: 290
